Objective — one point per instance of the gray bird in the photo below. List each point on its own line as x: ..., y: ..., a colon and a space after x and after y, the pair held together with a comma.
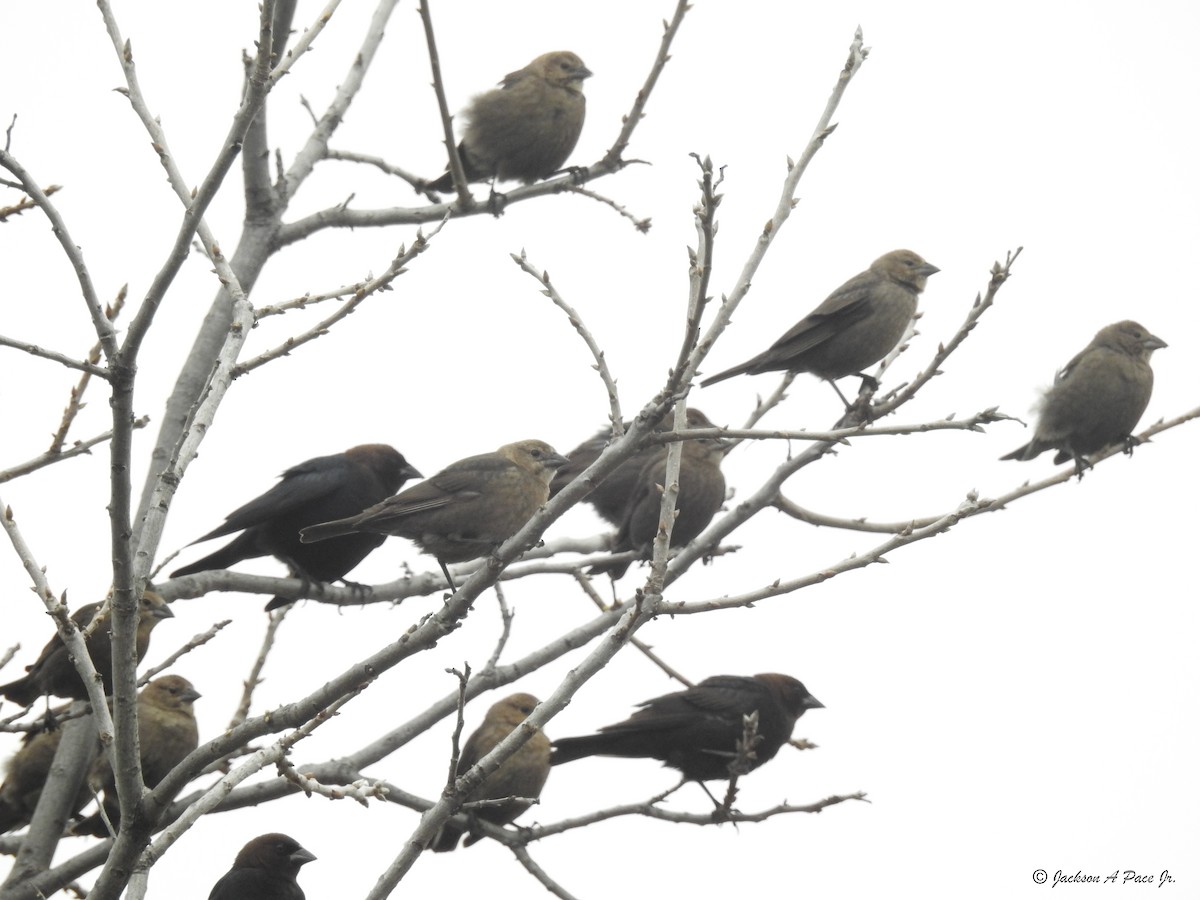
x: 854, y: 327
x: 526, y: 128
x: 1097, y: 398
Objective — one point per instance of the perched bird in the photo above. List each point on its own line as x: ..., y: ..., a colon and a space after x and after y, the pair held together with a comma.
x: 701, y: 493
x: 1098, y: 397
x: 166, y: 734
x: 697, y: 731
x: 611, y: 496
x: 526, y: 128
x: 466, y: 510
x: 265, y: 869
x: 26, y: 774
x: 316, y: 490
x: 54, y: 673
x: 521, y: 775
x: 854, y: 327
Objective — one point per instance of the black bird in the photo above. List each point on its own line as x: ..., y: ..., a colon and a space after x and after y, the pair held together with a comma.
x: 317, y: 490
x: 697, y: 731
x: 265, y: 869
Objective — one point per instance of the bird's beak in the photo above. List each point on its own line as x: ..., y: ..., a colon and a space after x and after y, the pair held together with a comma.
x: 191, y: 695
x: 555, y: 461
x: 582, y: 72
x: 813, y: 703
x: 927, y: 269
x: 163, y: 612
x: 301, y: 856
x: 1154, y: 343
x: 410, y: 472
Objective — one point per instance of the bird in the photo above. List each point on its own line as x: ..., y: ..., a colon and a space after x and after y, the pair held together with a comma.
x: 701, y: 493
x: 316, y: 490
x: 53, y: 672
x: 526, y: 128
x: 1097, y: 398
x: 854, y: 327
x: 26, y: 774
x: 265, y: 869
x: 466, y: 510
x: 167, y: 733
x: 521, y: 775
x: 610, y: 497
x: 697, y: 730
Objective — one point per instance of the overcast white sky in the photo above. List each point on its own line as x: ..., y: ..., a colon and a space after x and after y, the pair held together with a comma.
x: 1019, y: 694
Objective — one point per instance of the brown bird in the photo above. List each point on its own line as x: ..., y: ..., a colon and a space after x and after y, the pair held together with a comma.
x: 521, y: 775
x: 701, y: 493
x: 526, y: 128
x: 27, y: 773
x: 167, y: 733
x: 697, y: 731
x: 265, y: 869
x: 466, y: 510
x: 316, y: 490
x: 54, y: 673
x: 854, y: 327
x: 611, y: 496
x: 1098, y: 397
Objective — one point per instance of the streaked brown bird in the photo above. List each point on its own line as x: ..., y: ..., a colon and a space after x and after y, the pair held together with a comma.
x: 611, y: 496
x: 316, y: 490
x: 525, y: 129
x: 466, y: 510
x: 1097, y: 398
x: 521, y: 775
x: 26, y: 774
x: 54, y: 673
x: 265, y: 869
x: 167, y: 733
x: 701, y: 493
x: 697, y: 731
x: 854, y: 327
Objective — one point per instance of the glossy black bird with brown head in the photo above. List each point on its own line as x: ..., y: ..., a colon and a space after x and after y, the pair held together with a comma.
x: 697, y: 731
x: 466, y: 510
x: 265, y: 869
x: 316, y: 490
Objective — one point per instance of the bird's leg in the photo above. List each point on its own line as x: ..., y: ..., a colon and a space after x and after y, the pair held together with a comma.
x: 841, y: 396
x: 579, y: 174
x: 446, y: 572
x: 1081, y: 465
x: 496, y: 201
x: 1130, y: 442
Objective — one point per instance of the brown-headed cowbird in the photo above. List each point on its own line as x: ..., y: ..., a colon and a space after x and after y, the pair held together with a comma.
x: 265, y: 869
x: 701, y: 493
x: 54, y: 673
x: 526, y: 128
x: 1098, y: 397
x: 166, y: 734
x: 521, y: 775
x: 611, y: 496
x: 854, y: 327
x: 27, y: 772
x: 466, y: 510
x: 697, y: 731
x: 317, y: 490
